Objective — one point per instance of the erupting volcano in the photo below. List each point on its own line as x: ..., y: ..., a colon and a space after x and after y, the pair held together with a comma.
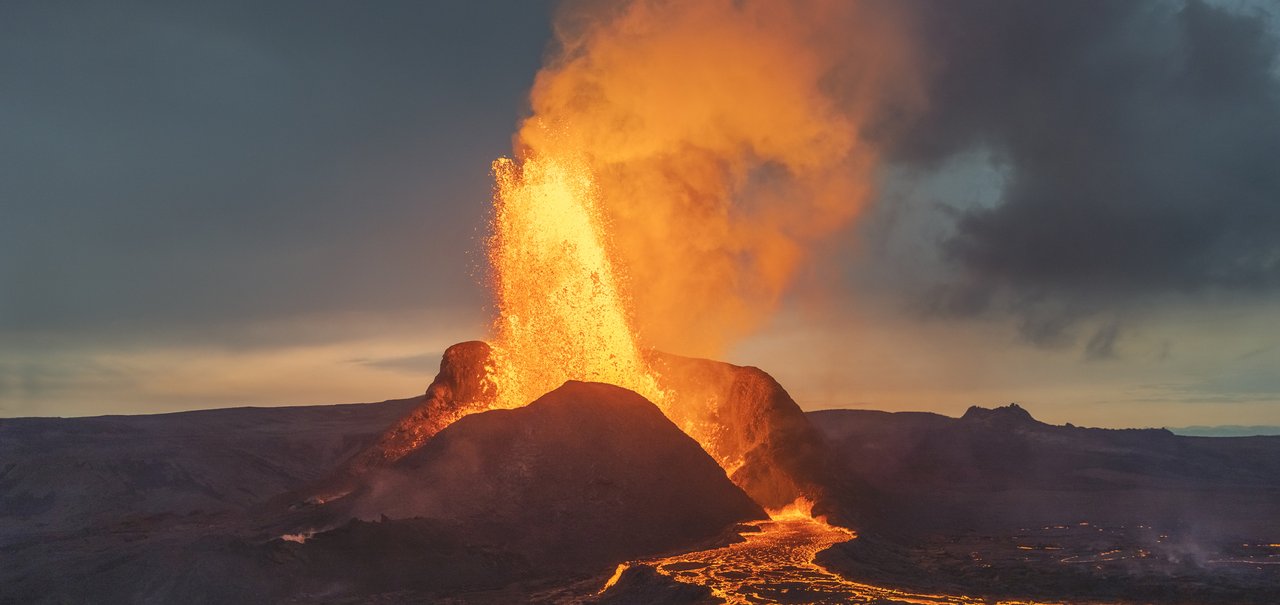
x: 636, y: 215
x: 652, y: 203
x: 682, y: 180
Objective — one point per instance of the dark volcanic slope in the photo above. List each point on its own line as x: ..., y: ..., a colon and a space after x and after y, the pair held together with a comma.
x: 746, y: 420
x: 589, y: 473
x: 70, y: 473
x: 1003, y: 466
x: 774, y: 452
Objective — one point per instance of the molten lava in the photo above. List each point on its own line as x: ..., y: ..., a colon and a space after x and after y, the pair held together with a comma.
x: 561, y: 313
x: 564, y: 314
x: 775, y: 564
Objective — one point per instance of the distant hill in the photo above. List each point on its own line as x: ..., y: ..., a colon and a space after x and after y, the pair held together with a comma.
x: 1000, y: 504
x: 1001, y: 466
x: 59, y: 474
x: 1226, y: 430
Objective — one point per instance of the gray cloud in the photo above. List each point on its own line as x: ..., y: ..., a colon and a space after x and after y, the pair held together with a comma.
x: 1141, y: 147
x: 1102, y: 345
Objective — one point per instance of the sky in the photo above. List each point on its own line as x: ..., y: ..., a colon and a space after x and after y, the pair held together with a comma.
x: 245, y: 203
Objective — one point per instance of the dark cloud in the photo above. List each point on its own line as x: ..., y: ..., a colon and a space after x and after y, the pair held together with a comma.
x: 1102, y: 345
x: 1142, y: 147
x: 171, y: 167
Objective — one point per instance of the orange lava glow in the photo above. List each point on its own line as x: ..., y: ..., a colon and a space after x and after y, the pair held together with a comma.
x: 680, y: 162
x: 775, y: 564
x: 561, y: 313
x: 801, y: 509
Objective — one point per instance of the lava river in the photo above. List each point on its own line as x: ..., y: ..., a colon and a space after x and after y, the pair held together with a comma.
x: 776, y: 565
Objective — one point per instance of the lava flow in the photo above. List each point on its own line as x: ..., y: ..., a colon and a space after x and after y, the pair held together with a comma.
x: 775, y: 564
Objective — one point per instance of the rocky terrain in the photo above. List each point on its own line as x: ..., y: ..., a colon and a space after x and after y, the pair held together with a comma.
x: 586, y: 477
x: 59, y: 475
x: 1001, y: 468
x: 588, y: 474
x: 422, y: 500
x: 998, y: 503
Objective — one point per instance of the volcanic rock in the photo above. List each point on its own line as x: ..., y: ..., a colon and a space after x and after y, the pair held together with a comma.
x: 745, y: 419
x: 588, y: 474
x: 1000, y: 504
x: 643, y: 585
x: 765, y: 440
x: 67, y: 474
x: 998, y: 467
x: 585, y: 477
x: 461, y: 387
x: 1011, y: 415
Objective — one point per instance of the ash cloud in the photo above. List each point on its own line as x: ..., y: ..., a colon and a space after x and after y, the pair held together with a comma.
x: 1141, y: 142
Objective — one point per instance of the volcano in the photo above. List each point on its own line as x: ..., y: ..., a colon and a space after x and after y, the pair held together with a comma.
x: 593, y: 457
x: 585, y: 477
x: 747, y: 420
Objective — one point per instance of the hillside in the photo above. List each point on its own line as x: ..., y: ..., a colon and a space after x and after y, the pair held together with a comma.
x: 586, y: 477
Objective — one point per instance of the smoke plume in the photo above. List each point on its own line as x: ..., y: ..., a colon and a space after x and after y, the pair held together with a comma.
x: 726, y: 140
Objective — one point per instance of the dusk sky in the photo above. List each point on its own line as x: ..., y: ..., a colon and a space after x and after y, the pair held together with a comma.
x: 248, y: 203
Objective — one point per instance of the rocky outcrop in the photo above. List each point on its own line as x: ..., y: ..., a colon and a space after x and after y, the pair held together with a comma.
x: 1011, y: 415
x: 462, y: 387
x: 749, y: 423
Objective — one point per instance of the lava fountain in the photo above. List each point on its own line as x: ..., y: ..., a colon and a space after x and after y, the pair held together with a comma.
x: 681, y: 162
x: 561, y: 313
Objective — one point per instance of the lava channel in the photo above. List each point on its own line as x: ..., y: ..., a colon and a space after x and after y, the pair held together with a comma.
x: 775, y: 564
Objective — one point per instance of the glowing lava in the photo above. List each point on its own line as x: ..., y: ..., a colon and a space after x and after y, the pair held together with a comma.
x: 561, y: 313
x: 775, y: 564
